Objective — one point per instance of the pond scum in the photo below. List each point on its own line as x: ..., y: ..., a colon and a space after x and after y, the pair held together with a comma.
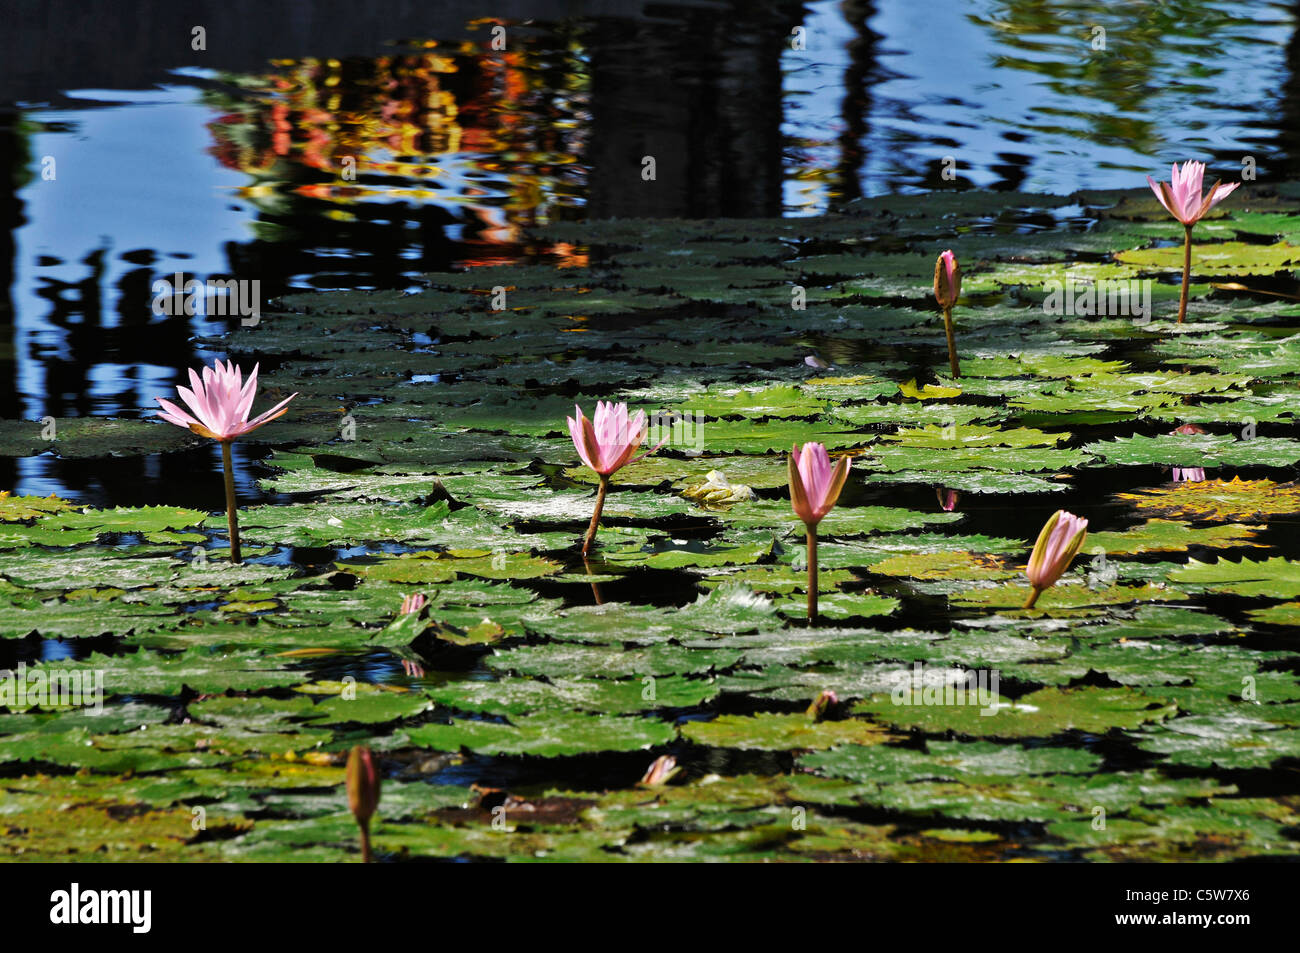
x: 665, y: 699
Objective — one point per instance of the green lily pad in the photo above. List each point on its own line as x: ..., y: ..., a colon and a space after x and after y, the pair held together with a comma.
x: 771, y: 732
x: 1041, y: 714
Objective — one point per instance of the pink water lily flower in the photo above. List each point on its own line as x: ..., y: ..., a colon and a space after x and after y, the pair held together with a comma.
x: 363, y: 783
x: 607, y: 441
x: 1058, y: 543
x: 1183, y: 199
x: 413, y: 603
x: 220, y: 401
x: 814, y: 484
x: 947, y: 280
x: 815, y: 487
x: 606, y: 444
x: 947, y: 289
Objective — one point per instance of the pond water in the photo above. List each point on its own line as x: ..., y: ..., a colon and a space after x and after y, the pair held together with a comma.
x: 215, y: 171
x: 796, y: 146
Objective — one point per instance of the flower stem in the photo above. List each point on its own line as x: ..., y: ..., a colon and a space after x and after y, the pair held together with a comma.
x: 595, y: 517
x: 952, y: 343
x: 1033, y: 597
x: 232, y: 518
x: 366, y: 856
x: 1187, y: 271
x: 812, y: 575
x: 595, y: 587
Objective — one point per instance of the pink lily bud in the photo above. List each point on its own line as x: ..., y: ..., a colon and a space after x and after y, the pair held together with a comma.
x: 607, y: 441
x: 947, y: 498
x: 363, y: 784
x: 947, y: 280
x: 824, y: 700
x: 814, y: 484
x: 1183, y: 199
x: 1186, y: 430
x: 1061, y: 538
x: 413, y: 603
x: 661, y: 771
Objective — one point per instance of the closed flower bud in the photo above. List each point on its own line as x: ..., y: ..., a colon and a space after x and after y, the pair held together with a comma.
x: 413, y: 603
x: 824, y: 700
x: 947, y: 280
x: 1058, y: 543
x: 815, y: 485
x: 661, y: 771
x: 363, y: 784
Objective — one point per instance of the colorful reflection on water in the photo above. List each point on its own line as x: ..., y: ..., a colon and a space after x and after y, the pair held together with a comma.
x: 431, y: 154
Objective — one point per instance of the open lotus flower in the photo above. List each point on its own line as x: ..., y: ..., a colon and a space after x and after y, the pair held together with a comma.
x: 363, y: 783
x: 606, y: 443
x: 220, y: 401
x: 947, y: 289
x: 1058, y: 543
x: 1183, y: 199
x: 815, y: 486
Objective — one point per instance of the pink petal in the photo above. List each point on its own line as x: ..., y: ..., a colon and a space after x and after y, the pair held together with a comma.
x: 1155, y: 187
x: 197, y: 404
x: 266, y: 417
x: 174, y: 415
x: 575, y: 431
x: 1221, y: 193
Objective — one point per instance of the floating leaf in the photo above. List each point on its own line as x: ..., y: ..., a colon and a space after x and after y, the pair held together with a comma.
x: 1231, y: 501
x: 770, y: 732
x: 1040, y: 714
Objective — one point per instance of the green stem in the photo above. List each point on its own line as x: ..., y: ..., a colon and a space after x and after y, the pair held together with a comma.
x: 595, y: 517
x: 595, y: 587
x: 232, y: 518
x: 366, y: 856
x: 1033, y: 597
x: 952, y: 343
x: 812, y: 575
x: 1187, y: 271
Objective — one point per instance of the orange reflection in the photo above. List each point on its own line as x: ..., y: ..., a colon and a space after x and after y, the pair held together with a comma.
x: 474, y: 131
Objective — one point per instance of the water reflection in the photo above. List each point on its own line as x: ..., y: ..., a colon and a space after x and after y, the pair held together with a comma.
x: 364, y: 158
x: 396, y: 164
x: 1016, y: 93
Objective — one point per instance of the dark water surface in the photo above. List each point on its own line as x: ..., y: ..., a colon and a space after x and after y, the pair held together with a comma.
x: 230, y: 161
